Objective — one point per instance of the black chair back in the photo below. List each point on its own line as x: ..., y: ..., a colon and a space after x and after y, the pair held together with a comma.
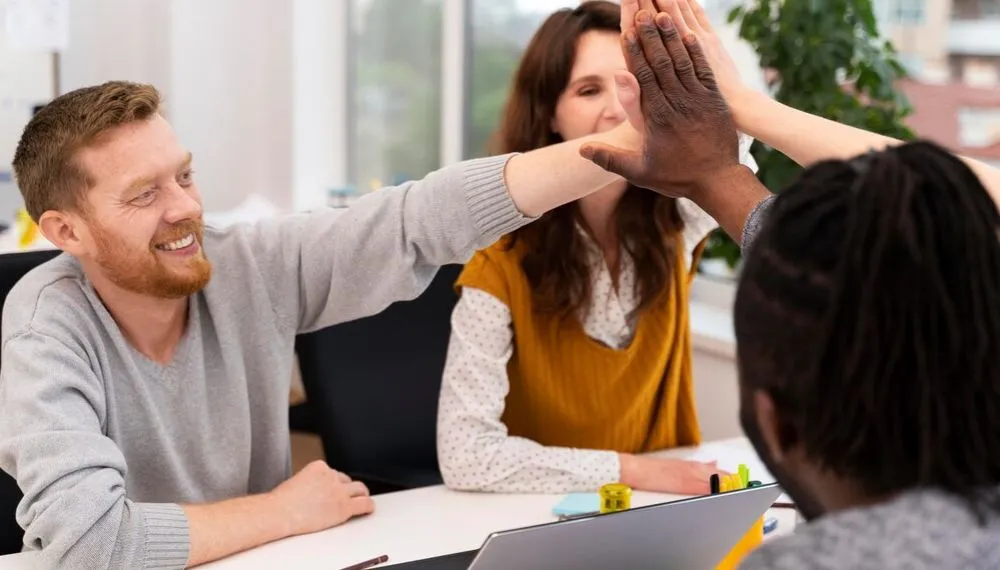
x: 13, y: 266
x: 373, y: 386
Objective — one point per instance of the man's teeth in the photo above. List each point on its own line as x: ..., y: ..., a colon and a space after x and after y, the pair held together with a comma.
x: 179, y: 244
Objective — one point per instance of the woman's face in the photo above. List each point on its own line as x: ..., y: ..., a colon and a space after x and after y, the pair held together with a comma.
x: 589, y: 104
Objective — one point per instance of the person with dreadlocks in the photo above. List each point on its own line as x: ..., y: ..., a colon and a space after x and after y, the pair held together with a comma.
x: 867, y: 316
x: 883, y: 423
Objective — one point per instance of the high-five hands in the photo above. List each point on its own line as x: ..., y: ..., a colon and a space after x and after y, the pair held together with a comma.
x: 691, y: 19
x: 689, y: 133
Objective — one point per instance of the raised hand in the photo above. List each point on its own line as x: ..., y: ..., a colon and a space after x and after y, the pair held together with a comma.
x: 690, y: 18
x: 689, y: 134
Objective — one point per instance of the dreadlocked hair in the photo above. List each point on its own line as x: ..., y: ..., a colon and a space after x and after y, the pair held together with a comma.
x: 869, y: 309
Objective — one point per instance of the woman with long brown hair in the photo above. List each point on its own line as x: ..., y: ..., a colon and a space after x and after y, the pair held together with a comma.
x: 570, y: 352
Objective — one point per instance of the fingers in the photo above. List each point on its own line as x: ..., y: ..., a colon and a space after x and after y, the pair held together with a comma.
x: 362, y: 505
x: 653, y: 100
x: 687, y: 15
x: 699, y: 13
x: 673, y: 9
x: 683, y: 67
x: 656, y: 55
x: 357, y: 489
x: 712, y: 467
x: 699, y: 64
x: 624, y: 163
x: 628, y: 96
x: 342, y: 477
x: 648, y: 5
x: 629, y: 9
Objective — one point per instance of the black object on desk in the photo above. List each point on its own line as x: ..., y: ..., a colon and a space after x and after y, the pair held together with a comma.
x: 456, y: 561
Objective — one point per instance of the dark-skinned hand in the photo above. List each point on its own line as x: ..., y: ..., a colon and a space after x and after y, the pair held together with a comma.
x: 690, y: 137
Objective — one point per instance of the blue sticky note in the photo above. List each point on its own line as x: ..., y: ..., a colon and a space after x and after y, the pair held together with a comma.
x: 578, y: 504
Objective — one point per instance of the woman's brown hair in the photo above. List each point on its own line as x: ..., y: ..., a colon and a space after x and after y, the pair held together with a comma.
x: 648, y: 224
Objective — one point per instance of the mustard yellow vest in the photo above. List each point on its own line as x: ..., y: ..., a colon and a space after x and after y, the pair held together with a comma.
x: 569, y: 390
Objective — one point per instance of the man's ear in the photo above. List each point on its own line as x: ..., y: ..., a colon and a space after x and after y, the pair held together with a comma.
x: 772, y: 427
x: 64, y: 230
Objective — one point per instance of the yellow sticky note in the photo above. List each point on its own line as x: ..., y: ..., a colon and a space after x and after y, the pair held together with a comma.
x: 27, y: 229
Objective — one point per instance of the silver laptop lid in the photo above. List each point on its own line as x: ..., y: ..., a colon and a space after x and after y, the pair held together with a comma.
x: 689, y: 534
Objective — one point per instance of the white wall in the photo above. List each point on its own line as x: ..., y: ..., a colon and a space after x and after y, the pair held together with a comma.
x: 117, y: 39
x: 320, y: 92
x: 257, y: 89
x: 716, y: 382
x: 231, y: 97
x: 26, y: 79
x: 716, y: 389
x: 260, y: 107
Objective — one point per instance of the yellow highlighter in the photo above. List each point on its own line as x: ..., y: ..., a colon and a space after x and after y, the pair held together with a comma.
x: 754, y: 537
x: 26, y: 228
x: 732, y: 482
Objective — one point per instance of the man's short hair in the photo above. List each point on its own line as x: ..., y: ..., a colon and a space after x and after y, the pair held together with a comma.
x: 45, y: 163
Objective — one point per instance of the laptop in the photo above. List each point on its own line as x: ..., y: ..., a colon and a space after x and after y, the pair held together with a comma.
x: 688, y: 534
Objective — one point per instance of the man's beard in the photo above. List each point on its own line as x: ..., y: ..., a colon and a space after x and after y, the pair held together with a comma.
x: 145, y: 273
x: 805, y: 502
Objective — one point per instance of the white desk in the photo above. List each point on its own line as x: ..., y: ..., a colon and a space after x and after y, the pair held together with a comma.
x: 431, y: 521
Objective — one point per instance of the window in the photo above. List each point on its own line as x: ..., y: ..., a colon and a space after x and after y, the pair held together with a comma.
x: 989, y: 9
x: 978, y: 127
x: 908, y: 11
x: 893, y: 12
x: 394, y: 107
x: 499, y: 31
x: 914, y: 64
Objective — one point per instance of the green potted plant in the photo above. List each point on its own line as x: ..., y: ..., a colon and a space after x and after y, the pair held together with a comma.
x: 825, y: 57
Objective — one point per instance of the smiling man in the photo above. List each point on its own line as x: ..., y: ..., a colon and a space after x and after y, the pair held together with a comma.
x: 145, y: 371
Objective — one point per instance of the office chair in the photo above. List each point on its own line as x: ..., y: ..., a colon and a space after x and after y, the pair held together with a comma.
x: 373, y: 387
x: 13, y: 266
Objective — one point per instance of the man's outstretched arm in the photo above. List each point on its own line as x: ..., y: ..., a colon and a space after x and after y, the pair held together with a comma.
x: 334, y: 265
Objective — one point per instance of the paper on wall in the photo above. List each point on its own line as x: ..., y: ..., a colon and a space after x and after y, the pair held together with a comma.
x: 37, y: 25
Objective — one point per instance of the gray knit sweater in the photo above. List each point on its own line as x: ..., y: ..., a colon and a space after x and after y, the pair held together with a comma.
x: 920, y: 530
x: 106, y: 443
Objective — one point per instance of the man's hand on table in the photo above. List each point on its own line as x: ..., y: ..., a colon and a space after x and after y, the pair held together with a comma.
x: 318, y: 497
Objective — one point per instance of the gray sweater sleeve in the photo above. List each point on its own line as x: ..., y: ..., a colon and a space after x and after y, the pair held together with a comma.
x: 755, y: 220
x: 73, y: 476
x: 334, y: 265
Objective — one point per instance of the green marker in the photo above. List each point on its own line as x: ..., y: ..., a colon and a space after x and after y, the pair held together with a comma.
x: 754, y: 484
x: 744, y: 473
